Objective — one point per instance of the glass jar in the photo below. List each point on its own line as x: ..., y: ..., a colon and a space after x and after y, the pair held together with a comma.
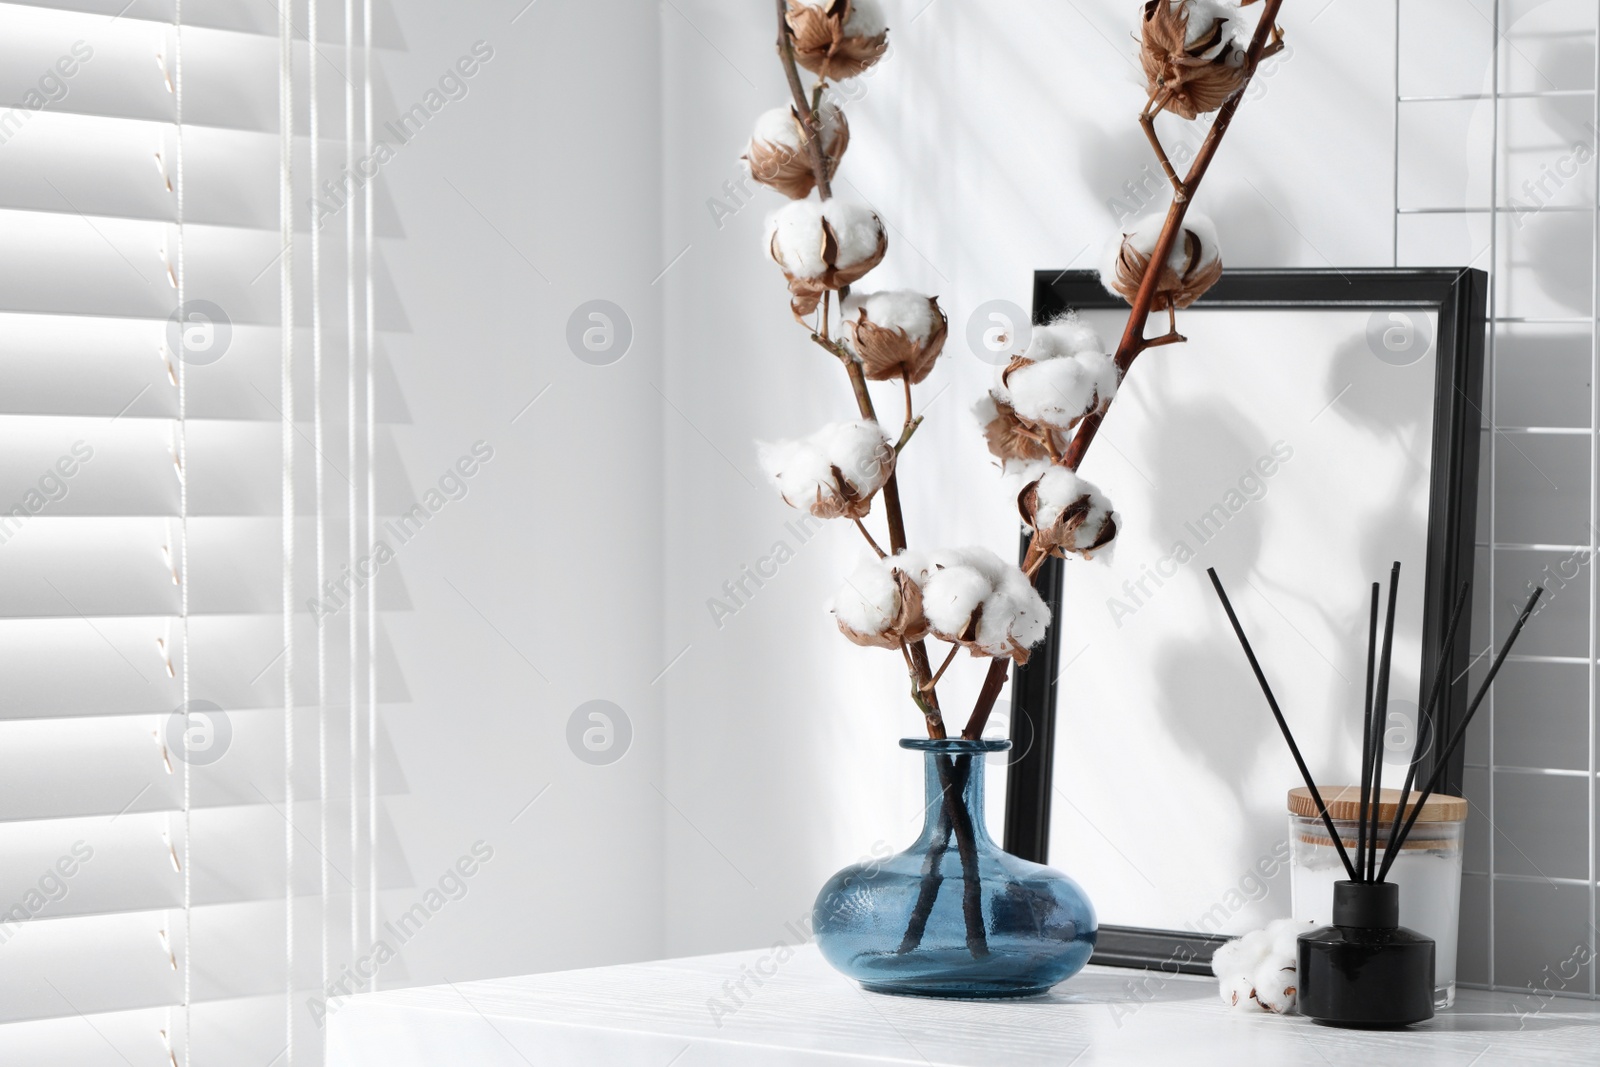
x: 1428, y: 869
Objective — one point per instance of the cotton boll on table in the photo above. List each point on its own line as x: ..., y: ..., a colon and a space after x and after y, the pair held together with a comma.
x: 1257, y: 972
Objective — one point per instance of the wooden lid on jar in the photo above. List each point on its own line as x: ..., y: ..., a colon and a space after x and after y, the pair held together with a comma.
x: 1344, y: 804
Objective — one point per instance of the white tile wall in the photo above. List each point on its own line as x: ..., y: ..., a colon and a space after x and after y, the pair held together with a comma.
x: 1496, y: 132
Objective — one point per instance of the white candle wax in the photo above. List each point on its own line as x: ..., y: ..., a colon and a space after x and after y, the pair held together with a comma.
x: 1430, y: 895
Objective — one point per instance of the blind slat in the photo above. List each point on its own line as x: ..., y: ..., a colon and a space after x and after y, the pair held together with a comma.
x: 113, y: 768
x: 68, y: 668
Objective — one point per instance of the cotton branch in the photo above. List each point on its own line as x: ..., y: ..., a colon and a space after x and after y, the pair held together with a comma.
x: 923, y: 692
x: 1133, y: 339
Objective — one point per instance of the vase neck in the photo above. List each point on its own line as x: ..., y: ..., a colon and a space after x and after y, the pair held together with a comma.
x: 960, y: 776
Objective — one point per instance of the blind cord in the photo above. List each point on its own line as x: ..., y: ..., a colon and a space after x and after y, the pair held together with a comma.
x: 183, y: 551
x: 315, y: 106
x: 286, y: 384
x: 350, y: 461
x: 372, y: 520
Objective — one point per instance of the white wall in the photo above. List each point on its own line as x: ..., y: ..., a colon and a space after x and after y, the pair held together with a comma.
x: 991, y: 142
x: 556, y: 544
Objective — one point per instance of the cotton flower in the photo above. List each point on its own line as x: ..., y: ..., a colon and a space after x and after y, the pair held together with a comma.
x: 1193, y: 54
x: 1064, y: 375
x: 834, y: 472
x: 1193, y: 266
x: 823, y: 247
x: 838, y: 38
x: 1008, y: 437
x: 973, y: 598
x: 778, y: 156
x: 896, y: 334
x: 1067, y: 513
x: 880, y: 605
x: 1259, y: 971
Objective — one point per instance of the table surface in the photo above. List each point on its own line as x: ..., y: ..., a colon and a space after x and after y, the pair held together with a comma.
x: 693, y: 1013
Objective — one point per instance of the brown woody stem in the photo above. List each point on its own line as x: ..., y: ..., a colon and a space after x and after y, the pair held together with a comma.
x: 1147, y: 119
x: 993, y: 682
x: 819, y: 158
x: 944, y: 666
x: 905, y: 435
x: 927, y: 699
x: 862, y: 527
x: 1133, y: 339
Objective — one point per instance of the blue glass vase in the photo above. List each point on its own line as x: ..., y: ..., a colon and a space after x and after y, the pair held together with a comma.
x: 954, y: 915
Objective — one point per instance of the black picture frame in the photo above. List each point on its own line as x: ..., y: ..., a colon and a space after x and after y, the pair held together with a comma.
x: 1459, y: 297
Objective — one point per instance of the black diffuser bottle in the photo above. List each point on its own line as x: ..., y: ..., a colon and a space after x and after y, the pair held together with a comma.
x: 1366, y: 970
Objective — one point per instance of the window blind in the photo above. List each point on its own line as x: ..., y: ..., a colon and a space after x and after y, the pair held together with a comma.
x: 188, y: 779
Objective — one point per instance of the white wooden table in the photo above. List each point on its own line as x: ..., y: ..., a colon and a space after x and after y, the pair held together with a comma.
x: 691, y: 1013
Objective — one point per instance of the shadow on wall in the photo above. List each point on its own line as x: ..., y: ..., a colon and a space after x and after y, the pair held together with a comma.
x: 1120, y: 161
x: 1556, y: 141
x: 1228, y: 746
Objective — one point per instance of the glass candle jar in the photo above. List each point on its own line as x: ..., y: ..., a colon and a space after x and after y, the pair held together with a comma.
x: 1427, y: 870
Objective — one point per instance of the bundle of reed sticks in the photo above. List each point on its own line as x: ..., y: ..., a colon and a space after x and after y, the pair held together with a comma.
x: 1365, y: 866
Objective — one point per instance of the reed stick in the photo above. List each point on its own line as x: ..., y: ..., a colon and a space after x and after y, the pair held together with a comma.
x: 1426, y: 717
x: 1380, y: 709
x: 1366, y: 728
x: 1461, y: 729
x: 1283, y: 725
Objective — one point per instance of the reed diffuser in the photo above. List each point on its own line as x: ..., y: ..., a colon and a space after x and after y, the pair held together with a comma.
x: 1365, y: 970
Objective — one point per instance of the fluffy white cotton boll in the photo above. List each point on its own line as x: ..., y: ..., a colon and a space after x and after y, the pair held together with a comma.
x: 856, y: 448
x: 905, y: 310
x: 917, y: 565
x: 1238, y: 992
x: 1102, y: 371
x: 777, y: 127
x: 1241, y: 955
x: 1275, y: 985
x: 1060, y: 489
x: 1147, y: 231
x: 1141, y: 238
x: 1013, y: 620
x: 1201, y: 226
x: 795, y: 237
x: 803, y: 470
x: 1066, y: 336
x: 866, y: 17
x: 1263, y: 962
x: 951, y: 593
x: 880, y: 605
x: 1285, y: 934
x: 958, y: 582
x: 869, y: 599
x: 1017, y: 474
x: 1059, y: 392
x: 857, y: 228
